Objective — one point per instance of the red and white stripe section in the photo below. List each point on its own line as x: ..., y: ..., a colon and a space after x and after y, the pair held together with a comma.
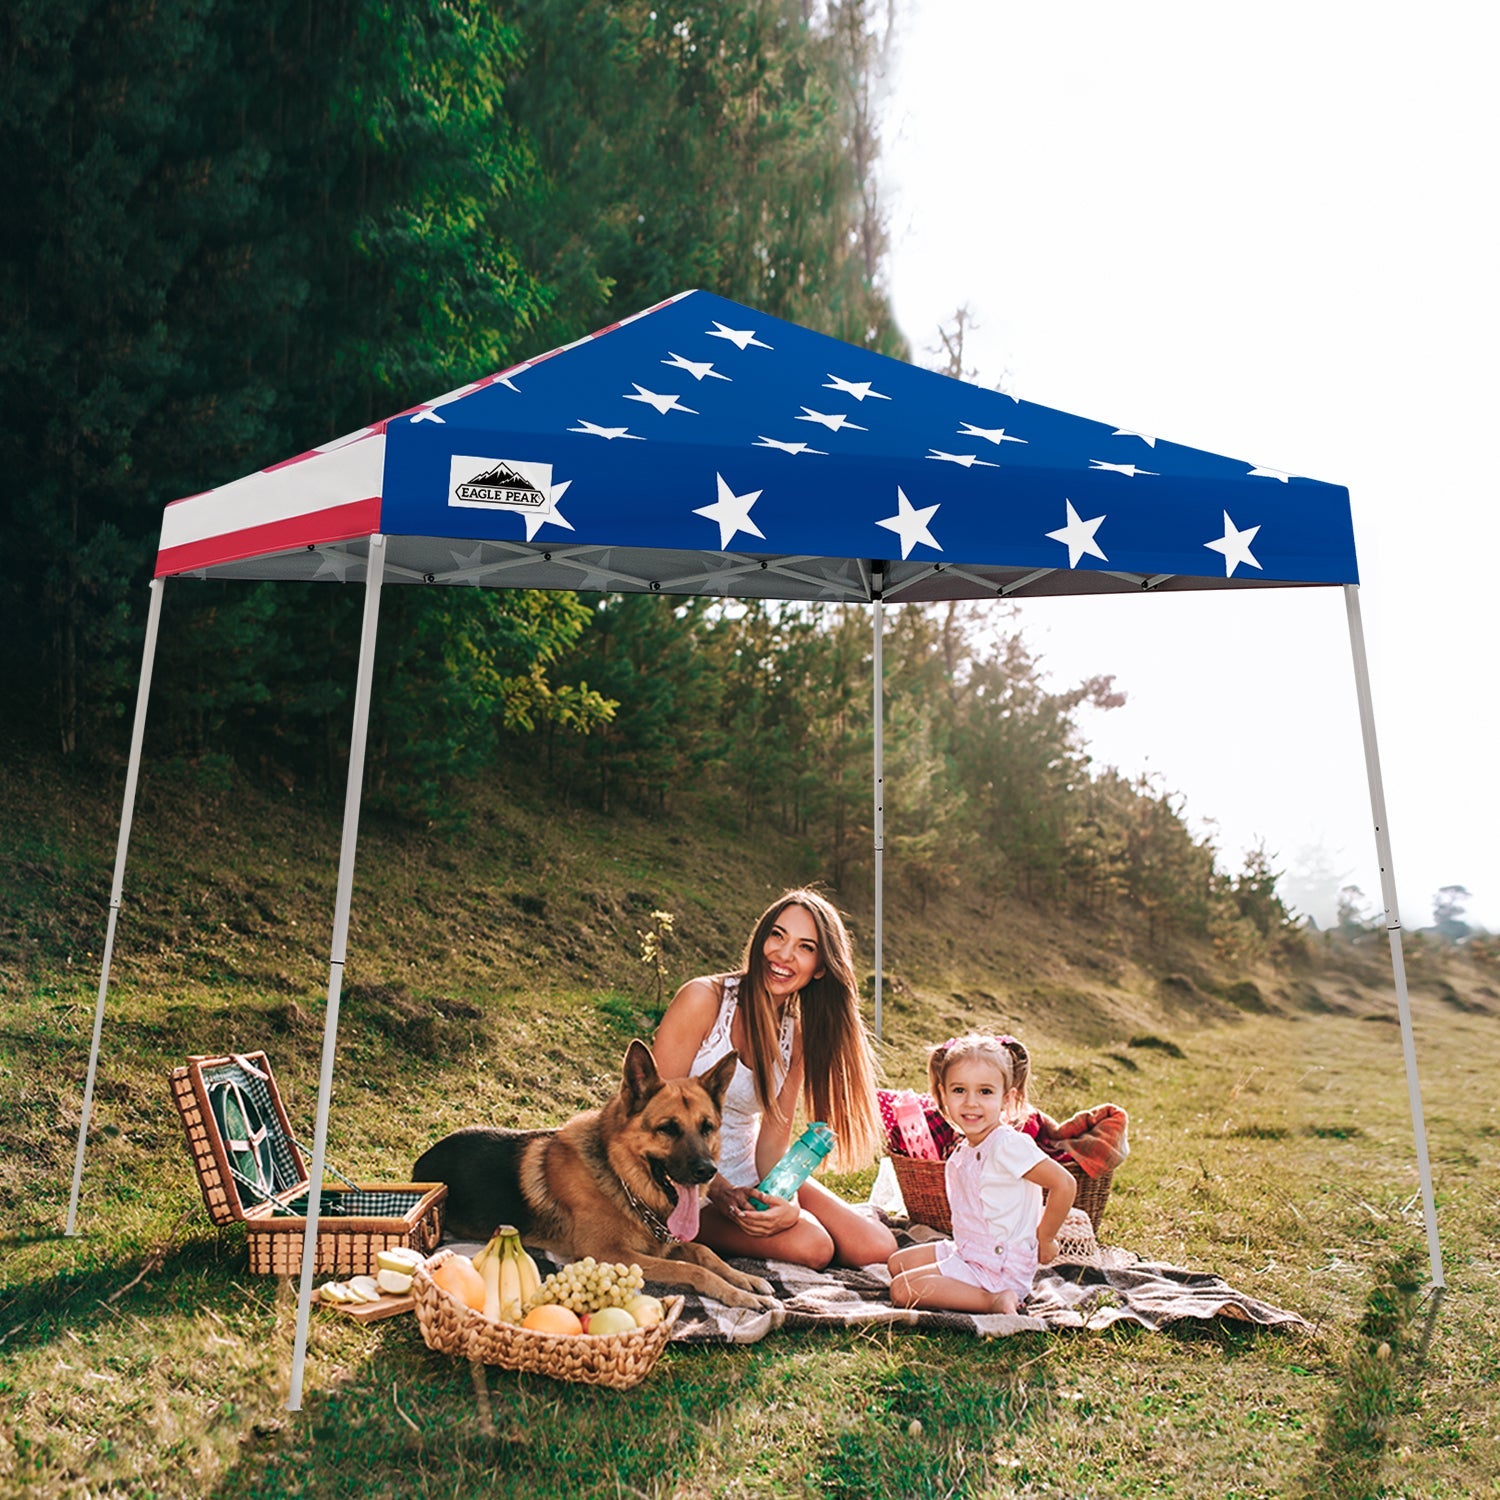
x: 329, y: 494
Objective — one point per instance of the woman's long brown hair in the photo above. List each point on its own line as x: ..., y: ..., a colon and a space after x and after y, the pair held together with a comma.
x: 839, y: 1071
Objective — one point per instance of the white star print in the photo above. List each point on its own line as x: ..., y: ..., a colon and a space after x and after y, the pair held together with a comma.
x: 1150, y: 442
x: 1264, y: 473
x: 833, y: 421
x: 697, y: 369
x: 1078, y: 537
x: 1235, y: 545
x: 425, y: 415
x: 732, y: 512
x: 663, y: 403
x: 596, y: 577
x: 996, y: 435
x: 739, y: 337
x: 859, y: 389
x: 535, y: 520
x: 835, y: 582
x: 334, y: 565
x: 765, y: 442
x: 721, y: 575
x: 593, y: 429
x: 471, y: 568
x: 910, y: 524
x: 968, y: 460
x: 1129, y: 469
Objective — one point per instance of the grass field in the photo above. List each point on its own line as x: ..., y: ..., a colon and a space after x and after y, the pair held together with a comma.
x: 1271, y: 1144
x: 141, y: 1359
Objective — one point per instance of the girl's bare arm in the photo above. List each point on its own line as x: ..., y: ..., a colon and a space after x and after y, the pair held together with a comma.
x: 1061, y: 1190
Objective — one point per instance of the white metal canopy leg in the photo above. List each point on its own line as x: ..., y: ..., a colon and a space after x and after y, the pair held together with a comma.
x: 127, y: 814
x: 1392, y: 921
x: 355, y: 786
x: 879, y: 717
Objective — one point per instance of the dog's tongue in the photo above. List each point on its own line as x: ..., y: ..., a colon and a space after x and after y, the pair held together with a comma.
x: 683, y: 1220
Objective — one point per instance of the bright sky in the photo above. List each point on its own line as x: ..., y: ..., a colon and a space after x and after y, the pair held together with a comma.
x: 1266, y: 231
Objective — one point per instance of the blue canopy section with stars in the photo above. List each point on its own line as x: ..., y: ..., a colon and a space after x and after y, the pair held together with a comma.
x: 702, y: 447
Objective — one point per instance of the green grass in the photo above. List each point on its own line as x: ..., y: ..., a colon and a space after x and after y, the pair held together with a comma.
x: 141, y: 1358
x: 173, y: 1383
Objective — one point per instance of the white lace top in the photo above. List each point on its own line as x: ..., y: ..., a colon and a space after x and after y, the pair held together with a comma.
x: 741, y: 1123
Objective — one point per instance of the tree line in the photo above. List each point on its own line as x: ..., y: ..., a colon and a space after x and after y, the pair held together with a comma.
x: 235, y: 231
x: 988, y: 784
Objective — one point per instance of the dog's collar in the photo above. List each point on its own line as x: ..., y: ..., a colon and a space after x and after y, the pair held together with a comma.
x: 649, y: 1217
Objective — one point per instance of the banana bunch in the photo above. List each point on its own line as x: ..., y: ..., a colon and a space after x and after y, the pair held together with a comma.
x: 510, y: 1276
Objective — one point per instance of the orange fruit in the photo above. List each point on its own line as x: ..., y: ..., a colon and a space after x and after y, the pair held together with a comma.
x: 460, y: 1280
x: 552, y: 1317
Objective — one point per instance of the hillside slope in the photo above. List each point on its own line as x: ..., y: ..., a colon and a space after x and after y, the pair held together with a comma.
x: 508, y: 950
x: 495, y: 976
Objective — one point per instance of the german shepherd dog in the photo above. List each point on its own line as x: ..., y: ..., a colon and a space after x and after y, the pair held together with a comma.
x: 620, y: 1183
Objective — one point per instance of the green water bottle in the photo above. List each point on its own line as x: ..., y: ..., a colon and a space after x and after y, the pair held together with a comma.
x: 801, y: 1161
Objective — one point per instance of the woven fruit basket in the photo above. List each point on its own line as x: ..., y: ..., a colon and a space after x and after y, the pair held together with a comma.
x: 620, y: 1360
x: 924, y: 1190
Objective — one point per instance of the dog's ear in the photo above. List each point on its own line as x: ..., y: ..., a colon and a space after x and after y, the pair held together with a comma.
x: 719, y: 1077
x: 641, y: 1078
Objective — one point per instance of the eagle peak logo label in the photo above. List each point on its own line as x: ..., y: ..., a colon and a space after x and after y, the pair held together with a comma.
x: 500, y: 484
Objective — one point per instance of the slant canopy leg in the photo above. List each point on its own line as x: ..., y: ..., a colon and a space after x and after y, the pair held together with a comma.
x: 354, y: 788
x: 879, y: 718
x: 1393, y: 922
x: 127, y: 814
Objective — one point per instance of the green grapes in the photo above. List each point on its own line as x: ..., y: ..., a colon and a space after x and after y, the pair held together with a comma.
x: 586, y: 1285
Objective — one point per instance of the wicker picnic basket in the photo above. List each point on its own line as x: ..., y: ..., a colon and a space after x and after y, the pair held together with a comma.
x: 924, y: 1191
x: 620, y: 1360
x: 251, y: 1169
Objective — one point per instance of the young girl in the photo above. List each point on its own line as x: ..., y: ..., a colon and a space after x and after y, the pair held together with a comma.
x: 995, y: 1178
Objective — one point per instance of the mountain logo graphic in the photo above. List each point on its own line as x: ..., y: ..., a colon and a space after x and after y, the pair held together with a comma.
x: 500, y: 483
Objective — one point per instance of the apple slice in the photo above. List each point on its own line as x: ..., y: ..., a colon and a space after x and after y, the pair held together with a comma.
x: 397, y: 1283
x: 399, y: 1258
x: 364, y: 1289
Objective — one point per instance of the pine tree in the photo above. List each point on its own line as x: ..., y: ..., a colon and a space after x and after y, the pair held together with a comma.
x: 729, y: 146
x: 233, y: 232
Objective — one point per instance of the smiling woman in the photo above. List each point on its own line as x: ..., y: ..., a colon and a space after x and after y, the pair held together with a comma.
x: 791, y: 1016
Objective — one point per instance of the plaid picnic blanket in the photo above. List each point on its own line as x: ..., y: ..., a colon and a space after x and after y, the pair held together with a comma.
x: 1116, y: 1286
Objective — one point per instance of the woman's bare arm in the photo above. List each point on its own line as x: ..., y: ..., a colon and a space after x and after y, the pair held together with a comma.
x: 776, y: 1135
x: 680, y: 1033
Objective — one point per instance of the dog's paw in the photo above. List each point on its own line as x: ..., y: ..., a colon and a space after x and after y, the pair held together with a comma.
x: 762, y: 1288
x: 762, y: 1303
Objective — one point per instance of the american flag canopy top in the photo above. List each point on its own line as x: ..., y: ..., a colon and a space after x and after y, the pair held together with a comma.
x: 702, y: 447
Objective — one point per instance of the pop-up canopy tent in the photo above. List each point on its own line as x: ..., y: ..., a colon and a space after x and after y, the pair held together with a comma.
x: 700, y: 447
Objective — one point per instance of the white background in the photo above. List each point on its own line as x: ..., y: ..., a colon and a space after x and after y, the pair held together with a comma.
x: 1267, y: 231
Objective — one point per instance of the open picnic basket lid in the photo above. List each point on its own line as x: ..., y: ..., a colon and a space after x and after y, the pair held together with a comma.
x: 251, y: 1169
x: 238, y: 1132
